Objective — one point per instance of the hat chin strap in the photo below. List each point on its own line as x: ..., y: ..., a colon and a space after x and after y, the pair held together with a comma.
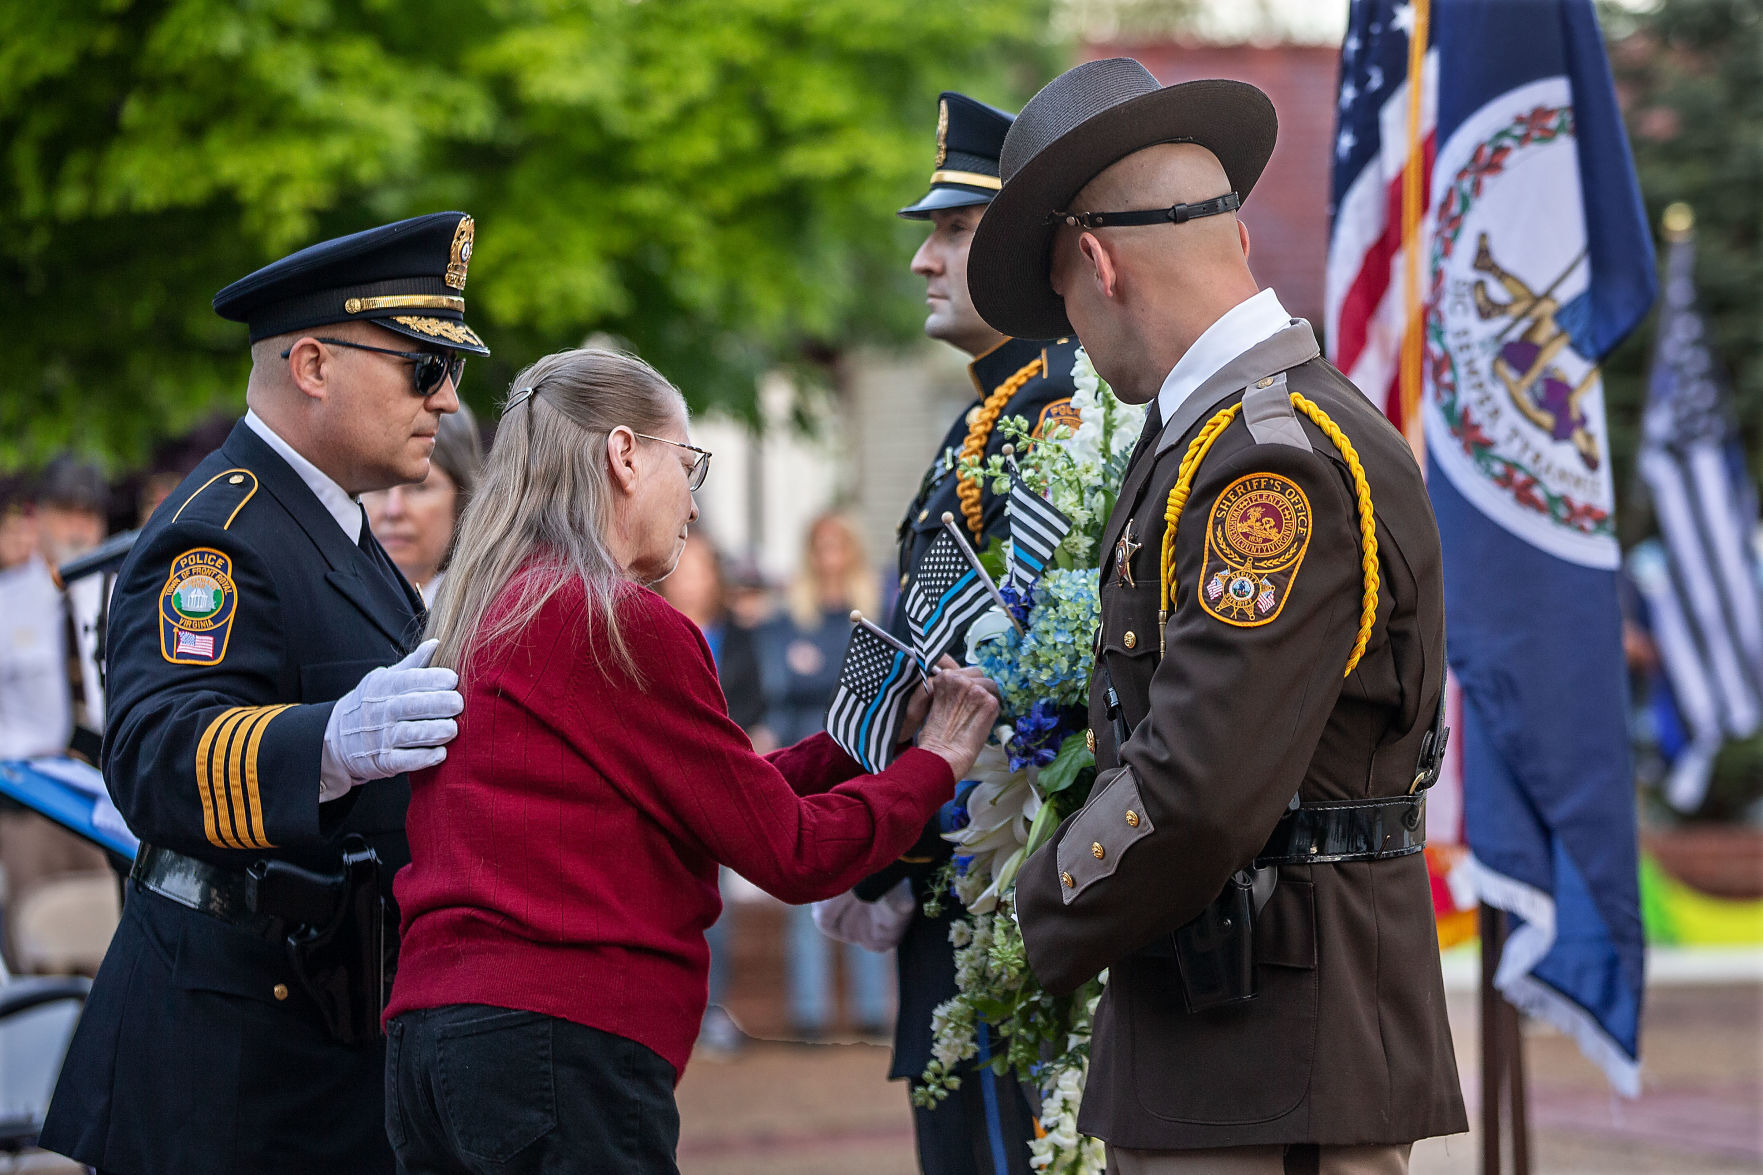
x: 1174, y: 214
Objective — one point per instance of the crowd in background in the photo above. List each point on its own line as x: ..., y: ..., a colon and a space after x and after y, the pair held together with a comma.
x: 778, y: 649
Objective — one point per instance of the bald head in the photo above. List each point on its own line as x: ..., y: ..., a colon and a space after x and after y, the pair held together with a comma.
x: 1139, y: 295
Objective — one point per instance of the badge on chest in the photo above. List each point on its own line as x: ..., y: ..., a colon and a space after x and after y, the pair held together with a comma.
x: 1124, y: 550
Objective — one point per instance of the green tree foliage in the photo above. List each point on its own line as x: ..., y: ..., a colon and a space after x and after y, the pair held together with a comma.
x: 1691, y: 77
x: 712, y: 181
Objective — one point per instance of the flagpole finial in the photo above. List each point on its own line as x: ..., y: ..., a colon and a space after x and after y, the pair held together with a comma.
x: 1678, y: 220
x: 856, y: 616
x: 1009, y: 451
x: 948, y: 516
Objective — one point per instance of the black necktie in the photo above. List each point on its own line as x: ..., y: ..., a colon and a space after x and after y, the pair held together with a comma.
x: 382, y: 562
x: 1147, y: 438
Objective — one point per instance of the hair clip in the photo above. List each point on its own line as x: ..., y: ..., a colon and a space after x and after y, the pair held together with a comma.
x: 518, y: 397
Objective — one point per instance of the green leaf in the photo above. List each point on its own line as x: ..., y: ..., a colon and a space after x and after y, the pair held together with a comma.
x: 1074, y: 755
x: 991, y: 557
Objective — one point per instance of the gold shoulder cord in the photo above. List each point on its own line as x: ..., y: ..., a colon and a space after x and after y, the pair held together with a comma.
x: 1184, y: 483
x: 968, y: 488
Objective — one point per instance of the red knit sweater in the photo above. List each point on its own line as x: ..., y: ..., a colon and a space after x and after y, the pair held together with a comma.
x: 563, y: 857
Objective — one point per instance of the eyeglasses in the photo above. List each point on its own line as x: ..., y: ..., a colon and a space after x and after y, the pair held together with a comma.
x: 700, y: 468
x: 427, y: 368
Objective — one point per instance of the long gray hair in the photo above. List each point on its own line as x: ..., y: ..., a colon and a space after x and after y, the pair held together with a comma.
x: 545, y: 501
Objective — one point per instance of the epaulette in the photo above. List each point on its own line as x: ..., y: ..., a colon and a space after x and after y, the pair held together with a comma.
x: 220, y: 498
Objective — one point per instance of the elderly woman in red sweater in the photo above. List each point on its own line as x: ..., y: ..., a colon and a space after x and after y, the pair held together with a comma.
x: 564, y: 857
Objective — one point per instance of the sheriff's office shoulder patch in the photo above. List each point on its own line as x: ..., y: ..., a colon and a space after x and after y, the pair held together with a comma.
x: 1256, y: 537
x: 1058, y: 412
x: 197, y: 607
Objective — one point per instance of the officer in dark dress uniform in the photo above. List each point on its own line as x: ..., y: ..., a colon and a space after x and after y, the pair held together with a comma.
x: 1265, y: 705
x: 984, y: 1127
x: 258, y: 749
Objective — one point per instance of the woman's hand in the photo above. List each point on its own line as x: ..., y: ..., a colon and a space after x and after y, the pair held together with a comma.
x: 963, y: 707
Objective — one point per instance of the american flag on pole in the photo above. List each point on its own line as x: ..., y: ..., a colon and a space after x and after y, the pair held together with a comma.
x: 1036, y: 530
x: 946, y: 596
x: 875, y: 683
x: 1703, y: 599
x: 1379, y: 202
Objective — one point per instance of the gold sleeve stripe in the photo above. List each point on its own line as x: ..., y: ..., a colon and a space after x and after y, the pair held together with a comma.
x: 235, y: 477
x: 204, y: 776
x: 211, y: 775
x: 227, y: 777
x: 253, y: 798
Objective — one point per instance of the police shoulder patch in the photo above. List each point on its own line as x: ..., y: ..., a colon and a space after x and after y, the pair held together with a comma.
x: 1256, y: 536
x: 197, y: 607
x: 1058, y: 412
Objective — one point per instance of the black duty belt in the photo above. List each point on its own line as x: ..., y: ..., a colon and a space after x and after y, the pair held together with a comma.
x: 1346, y: 830
x: 209, y: 889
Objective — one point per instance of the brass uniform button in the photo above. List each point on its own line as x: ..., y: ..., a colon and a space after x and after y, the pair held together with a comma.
x: 1090, y: 740
x: 1096, y: 850
x: 1070, y: 882
x: 1265, y: 383
x: 235, y: 479
x: 1132, y: 818
x: 280, y: 991
x: 1130, y: 640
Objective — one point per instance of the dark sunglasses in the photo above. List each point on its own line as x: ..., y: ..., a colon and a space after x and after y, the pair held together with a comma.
x: 427, y: 368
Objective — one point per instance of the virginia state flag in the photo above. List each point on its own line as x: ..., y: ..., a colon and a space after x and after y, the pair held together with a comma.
x: 1539, y: 263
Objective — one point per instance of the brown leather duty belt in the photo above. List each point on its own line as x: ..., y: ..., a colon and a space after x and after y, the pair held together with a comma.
x: 1346, y: 830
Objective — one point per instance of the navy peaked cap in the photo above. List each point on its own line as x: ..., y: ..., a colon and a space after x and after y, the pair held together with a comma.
x: 408, y: 277
x: 970, y: 136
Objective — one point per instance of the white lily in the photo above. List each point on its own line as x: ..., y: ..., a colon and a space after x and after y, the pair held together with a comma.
x: 1000, y: 807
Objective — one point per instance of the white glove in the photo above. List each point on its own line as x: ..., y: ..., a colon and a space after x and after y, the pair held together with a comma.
x: 396, y: 720
x: 875, y: 926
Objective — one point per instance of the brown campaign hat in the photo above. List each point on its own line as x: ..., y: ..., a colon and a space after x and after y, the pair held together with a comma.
x: 1081, y: 122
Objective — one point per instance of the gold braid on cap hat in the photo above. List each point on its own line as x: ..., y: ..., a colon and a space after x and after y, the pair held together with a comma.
x: 979, y: 431
x: 1184, y: 483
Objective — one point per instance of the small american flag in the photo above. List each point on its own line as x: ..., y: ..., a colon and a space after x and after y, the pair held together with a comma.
x: 200, y: 646
x: 875, y: 683
x: 1036, y: 530
x: 946, y: 596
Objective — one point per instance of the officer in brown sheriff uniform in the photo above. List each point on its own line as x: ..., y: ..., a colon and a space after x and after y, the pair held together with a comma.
x: 984, y: 1128
x: 1266, y: 695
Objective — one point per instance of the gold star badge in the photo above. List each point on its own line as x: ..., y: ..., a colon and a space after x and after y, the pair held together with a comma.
x: 1124, y: 550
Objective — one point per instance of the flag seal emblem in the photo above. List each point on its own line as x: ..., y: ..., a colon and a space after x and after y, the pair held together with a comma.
x: 1256, y: 540
x: 196, y: 608
x: 1514, y: 390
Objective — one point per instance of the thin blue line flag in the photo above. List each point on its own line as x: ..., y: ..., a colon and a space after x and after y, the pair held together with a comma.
x: 875, y: 683
x: 1037, y: 527
x: 947, y: 595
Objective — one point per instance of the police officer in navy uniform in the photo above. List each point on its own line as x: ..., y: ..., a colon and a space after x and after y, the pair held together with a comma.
x: 983, y: 1128
x: 265, y: 707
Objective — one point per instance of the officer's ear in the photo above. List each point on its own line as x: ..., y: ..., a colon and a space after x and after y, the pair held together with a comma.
x: 621, y: 459
x: 1243, y: 236
x: 1101, y: 268
x: 310, y: 367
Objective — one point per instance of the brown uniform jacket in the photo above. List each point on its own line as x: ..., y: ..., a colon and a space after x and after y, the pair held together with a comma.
x: 1347, y: 1041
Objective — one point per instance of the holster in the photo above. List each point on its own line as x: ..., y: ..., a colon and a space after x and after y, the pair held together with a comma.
x: 336, y: 934
x: 1215, y: 953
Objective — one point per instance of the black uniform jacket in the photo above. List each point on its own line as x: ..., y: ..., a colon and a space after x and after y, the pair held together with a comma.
x: 925, y: 958
x: 198, y: 1051
x: 1242, y: 707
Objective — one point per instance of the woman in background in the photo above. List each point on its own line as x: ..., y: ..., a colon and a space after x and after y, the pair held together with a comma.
x: 416, y: 523
x: 800, y: 656
x: 564, y: 856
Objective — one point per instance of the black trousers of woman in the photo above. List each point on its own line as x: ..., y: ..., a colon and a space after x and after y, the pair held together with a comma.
x: 478, y: 1090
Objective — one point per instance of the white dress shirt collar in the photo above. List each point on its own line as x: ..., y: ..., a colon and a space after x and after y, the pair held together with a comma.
x: 333, y: 497
x: 1251, y: 321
